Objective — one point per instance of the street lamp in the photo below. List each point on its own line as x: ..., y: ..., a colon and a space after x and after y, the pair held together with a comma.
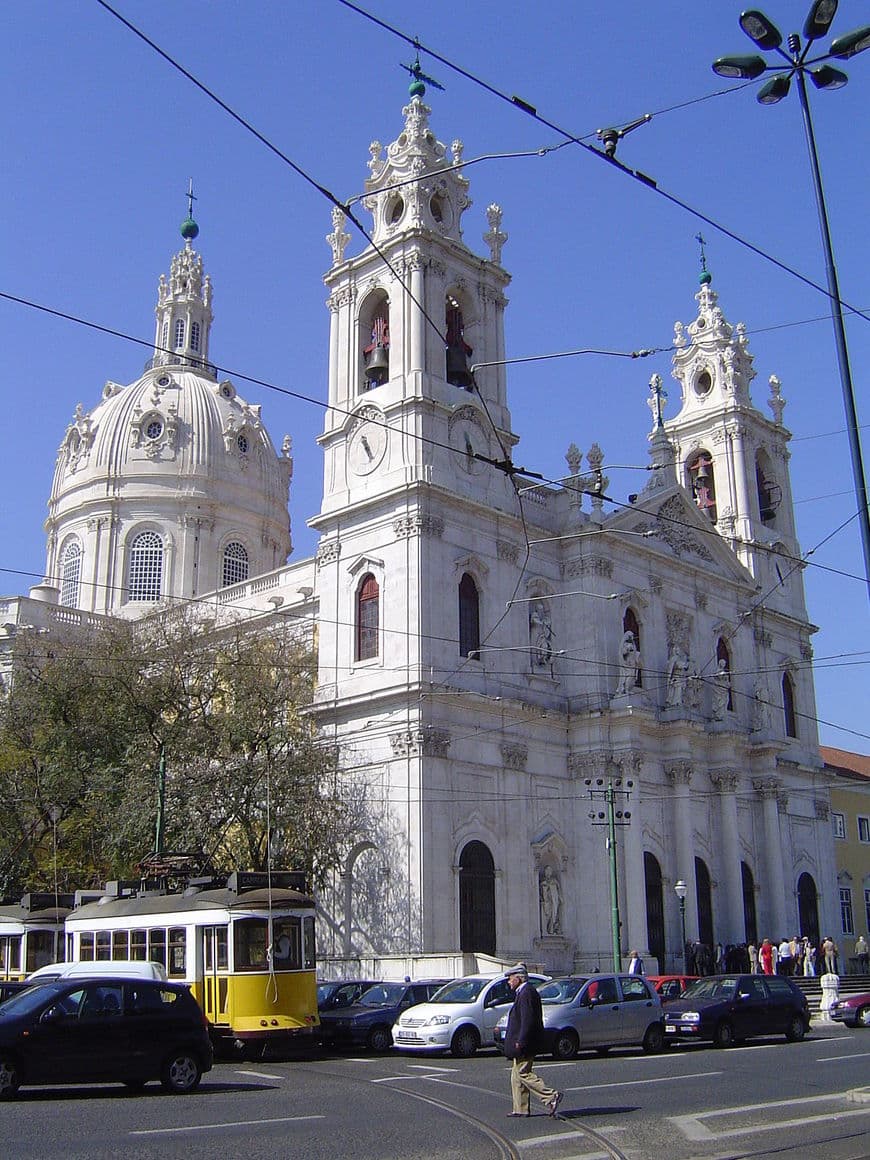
x: 767, y: 36
x: 681, y: 890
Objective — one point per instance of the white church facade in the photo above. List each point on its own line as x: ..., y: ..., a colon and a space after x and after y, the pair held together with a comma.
x: 502, y: 663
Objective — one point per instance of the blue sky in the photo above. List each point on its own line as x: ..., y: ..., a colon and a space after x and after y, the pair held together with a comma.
x: 101, y: 136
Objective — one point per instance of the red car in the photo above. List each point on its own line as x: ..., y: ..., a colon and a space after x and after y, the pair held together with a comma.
x: 670, y: 986
x: 853, y: 1010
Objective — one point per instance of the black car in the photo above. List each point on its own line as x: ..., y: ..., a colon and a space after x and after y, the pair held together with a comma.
x: 338, y: 993
x: 368, y: 1022
x: 9, y: 988
x: 729, y: 1008
x: 107, y: 1030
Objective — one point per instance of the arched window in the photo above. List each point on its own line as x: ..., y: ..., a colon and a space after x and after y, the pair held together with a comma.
x: 70, y: 574
x: 703, y: 484
x: 457, y: 349
x: 145, y: 571
x: 194, y: 336
x: 164, y: 337
x: 375, y: 330
x: 179, y: 333
x: 469, y: 617
x: 722, y: 654
x: 235, y: 564
x: 631, y: 624
x: 476, y: 900
x: 750, y: 920
x: 788, y: 709
x: 704, y: 898
x: 655, y: 910
x: 769, y: 491
x: 367, y: 618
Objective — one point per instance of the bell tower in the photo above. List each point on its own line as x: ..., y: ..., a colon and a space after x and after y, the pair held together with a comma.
x: 410, y: 317
x: 732, y: 459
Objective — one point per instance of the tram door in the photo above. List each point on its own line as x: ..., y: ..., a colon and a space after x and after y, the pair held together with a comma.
x: 215, y: 962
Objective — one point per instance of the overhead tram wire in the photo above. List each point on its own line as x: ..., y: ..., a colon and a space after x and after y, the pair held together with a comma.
x: 642, y: 178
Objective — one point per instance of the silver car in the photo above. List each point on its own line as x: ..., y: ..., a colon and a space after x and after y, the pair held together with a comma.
x: 597, y: 1012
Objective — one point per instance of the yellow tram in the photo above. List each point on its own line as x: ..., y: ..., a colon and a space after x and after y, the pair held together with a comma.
x: 244, y: 945
x: 32, y: 932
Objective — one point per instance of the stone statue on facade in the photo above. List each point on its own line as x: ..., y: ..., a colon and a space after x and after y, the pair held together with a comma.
x: 551, y: 901
x: 760, y: 709
x: 678, y: 678
x: 629, y: 664
x: 541, y: 634
x: 721, y: 690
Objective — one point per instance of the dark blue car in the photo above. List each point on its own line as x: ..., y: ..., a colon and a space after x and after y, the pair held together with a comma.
x: 369, y: 1021
x: 726, y: 1009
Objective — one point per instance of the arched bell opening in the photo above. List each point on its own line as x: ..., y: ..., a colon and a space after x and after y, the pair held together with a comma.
x: 457, y: 350
x: 375, y: 336
x: 703, y: 483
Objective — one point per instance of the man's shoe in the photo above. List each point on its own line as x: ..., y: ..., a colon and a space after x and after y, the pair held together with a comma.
x: 553, y: 1105
x: 523, y: 1114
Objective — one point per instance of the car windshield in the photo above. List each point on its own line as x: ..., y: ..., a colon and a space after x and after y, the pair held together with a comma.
x: 714, y: 987
x: 461, y: 991
x: 26, y: 1001
x: 383, y: 995
x: 560, y: 990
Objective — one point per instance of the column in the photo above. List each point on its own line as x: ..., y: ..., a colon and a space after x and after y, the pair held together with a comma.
x: 679, y: 774
x: 632, y: 841
x: 768, y: 790
x: 732, y: 917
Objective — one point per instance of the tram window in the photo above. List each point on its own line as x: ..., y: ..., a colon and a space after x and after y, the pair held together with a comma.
x: 40, y: 949
x: 86, y: 948
x: 287, y: 952
x: 119, y: 944
x: 308, y: 931
x: 249, y: 944
x: 177, y: 946
x: 10, y: 954
x: 157, y: 945
x: 104, y: 945
x: 138, y: 945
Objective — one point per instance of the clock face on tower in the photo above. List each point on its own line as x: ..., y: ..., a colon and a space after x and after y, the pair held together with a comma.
x: 468, y: 438
x: 367, y: 442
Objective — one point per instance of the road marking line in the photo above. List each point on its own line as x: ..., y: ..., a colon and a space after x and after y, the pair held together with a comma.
x: 638, y: 1082
x: 393, y: 1078
x: 217, y: 1127
x: 833, y: 1058
x: 563, y: 1137
x: 260, y: 1074
x: 423, y: 1067
x: 698, y: 1132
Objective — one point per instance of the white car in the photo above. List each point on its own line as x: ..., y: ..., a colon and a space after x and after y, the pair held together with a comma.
x: 459, y: 1018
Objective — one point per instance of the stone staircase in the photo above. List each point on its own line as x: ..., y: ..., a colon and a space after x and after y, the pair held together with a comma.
x: 812, y: 988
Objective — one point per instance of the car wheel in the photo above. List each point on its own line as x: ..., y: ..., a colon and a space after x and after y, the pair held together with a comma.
x: 464, y: 1043
x: 565, y: 1044
x: 796, y: 1029
x: 654, y: 1040
x: 602, y: 1050
x: 9, y: 1079
x: 379, y: 1039
x: 181, y: 1073
x: 723, y: 1036
x: 862, y: 1017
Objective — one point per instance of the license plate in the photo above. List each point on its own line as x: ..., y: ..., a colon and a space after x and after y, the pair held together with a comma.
x: 408, y: 1038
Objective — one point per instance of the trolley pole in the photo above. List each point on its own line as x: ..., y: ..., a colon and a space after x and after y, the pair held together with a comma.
x: 610, y: 816
x: 161, y: 801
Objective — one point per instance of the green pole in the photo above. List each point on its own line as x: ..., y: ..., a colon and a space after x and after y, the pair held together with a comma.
x: 614, y: 882
x: 161, y: 800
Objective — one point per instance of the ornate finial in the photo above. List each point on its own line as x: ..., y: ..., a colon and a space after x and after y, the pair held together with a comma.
x: 338, y: 239
x: 657, y: 394
x: 706, y: 277
x: 776, y: 402
x: 417, y: 88
x: 574, y: 457
x: 189, y: 228
x: 495, y: 237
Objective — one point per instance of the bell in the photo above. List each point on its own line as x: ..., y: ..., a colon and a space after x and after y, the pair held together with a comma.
x: 378, y: 365
x: 703, y: 473
x: 458, y: 374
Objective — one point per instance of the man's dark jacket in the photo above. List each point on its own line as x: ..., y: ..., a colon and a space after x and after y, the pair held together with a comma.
x: 525, y: 1024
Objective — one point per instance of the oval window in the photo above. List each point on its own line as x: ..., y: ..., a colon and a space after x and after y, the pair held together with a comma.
x: 703, y: 383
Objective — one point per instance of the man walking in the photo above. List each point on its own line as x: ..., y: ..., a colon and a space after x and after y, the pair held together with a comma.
x: 525, y: 1026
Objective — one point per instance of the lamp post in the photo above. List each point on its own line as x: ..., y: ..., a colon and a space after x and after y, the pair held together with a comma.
x: 767, y: 36
x: 681, y: 890
x: 608, y: 792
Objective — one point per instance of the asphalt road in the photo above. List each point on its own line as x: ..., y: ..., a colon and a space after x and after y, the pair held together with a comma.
x: 691, y: 1103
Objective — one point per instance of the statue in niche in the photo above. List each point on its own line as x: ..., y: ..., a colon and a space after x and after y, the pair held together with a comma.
x: 694, y: 691
x: 721, y: 690
x: 678, y: 678
x: 551, y: 901
x: 760, y: 709
x: 541, y: 634
x: 629, y: 664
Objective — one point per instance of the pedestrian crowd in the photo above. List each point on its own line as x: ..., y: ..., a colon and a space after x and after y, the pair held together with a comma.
x: 792, y: 957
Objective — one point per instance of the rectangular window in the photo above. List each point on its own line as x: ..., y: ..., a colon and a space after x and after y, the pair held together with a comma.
x: 839, y: 825
x: 120, y: 945
x: 10, y: 954
x: 249, y: 944
x: 846, y: 920
x: 86, y: 948
x: 176, y: 967
x: 157, y: 946
x: 104, y: 945
x: 863, y: 829
x: 139, y: 945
